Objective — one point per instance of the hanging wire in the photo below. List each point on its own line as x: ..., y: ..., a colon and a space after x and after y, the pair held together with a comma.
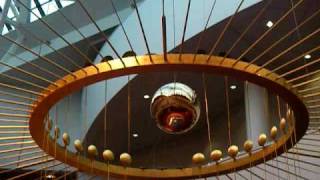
x: 291, y: 123
x: 164, y: 32
x: 267, y: 32
x: 202, y: 33
x: 102, y: 32
x: 267, y: 116
x: 29, y: 74
x: 295, y: 140
x: 204, y: 85
x: 293, y: 61
x: 223, y: 32
x: 285, y: 145
x: 249, y: 116
x: 142, y: 29
x: 77, y: 50
x: 32, y: 64
x: 65, y: 57
x: 287, y: 50
x: 39, y: 56
x: 298, y: 68
x: 105, y: 114
x: 184, y: 29
x: 226, y: 89
x: 254, y: 20
x: 129, y: 114
x: 174, y: 23
x: 123, y: 29
x: 282, y: 39
x: 298, y: 30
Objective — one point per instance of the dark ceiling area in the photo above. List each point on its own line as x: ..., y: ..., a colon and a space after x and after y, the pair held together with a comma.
x: 274, y: 11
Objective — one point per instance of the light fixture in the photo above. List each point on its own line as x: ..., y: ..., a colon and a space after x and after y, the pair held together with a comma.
x: 307, y: 56
x: 233, y: 87
x: 135, y: 135
x: 269, y: 24
x: 146, y: 96
x: 50, y: 176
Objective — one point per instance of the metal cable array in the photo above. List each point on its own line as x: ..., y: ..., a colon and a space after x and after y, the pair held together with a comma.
x: 19, y: 152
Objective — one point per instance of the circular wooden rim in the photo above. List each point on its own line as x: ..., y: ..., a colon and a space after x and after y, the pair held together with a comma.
x: 142, y: 64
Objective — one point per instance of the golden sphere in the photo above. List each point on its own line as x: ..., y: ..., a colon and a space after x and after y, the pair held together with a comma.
x: 198, y: 158
x: 108, y: 155
x: 92, y: 151
x: 125, y: 159
x: 233, y: 151
x: 56, y: 132
x: 248, y: 145
x: 216, y: 155
x: 283, y: 123
x: 262, y: 139
x: 66, y: 139
x: 78, y: 145
x: 273, y: 132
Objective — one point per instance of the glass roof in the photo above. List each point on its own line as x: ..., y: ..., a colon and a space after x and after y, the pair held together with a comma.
x: 40, y: 8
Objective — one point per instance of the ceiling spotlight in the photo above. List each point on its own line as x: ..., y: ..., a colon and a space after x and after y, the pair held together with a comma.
x: 269, y: 24
x: 146, y: 96
x: 135, y: 135
x: 233, y: 87
x: 307, y: 56
x: 50, y: 176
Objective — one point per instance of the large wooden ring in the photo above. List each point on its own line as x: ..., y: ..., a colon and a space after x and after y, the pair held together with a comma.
x: 143, y: 64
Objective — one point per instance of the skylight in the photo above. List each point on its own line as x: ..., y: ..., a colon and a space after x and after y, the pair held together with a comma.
x: 40, y: 8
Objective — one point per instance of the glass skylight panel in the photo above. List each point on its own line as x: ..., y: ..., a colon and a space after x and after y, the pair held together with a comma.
x: 65, y: 3
x: 10, y: 14
x: 2, y: 3
x: 50, y: 7
x: 33, y: 4
x: 47, y: 6
x: 34, y: 17
x: 5, y: 30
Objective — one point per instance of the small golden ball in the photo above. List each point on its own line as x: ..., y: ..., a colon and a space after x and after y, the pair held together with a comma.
x: 262, y: 139
x: 283, y: 123
x: 125, y: 159
x: 216, y: 155
x: 56, y: 132
x: 233, y: 151
x: 198, y: 158
x: 288, y: 112
x: 92, y: 151
x: 78, y: 145
x: 248, y: 145
x: 66, y: 139
x: 273, y: 132
x: 108, y: 155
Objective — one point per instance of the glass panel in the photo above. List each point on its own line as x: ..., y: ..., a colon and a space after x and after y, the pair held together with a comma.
x: 65, y: 3
x: 5, y: 30
x: 10, y: 14
x: 2, y: 3
x: 32, y: 16
x: 50, y: 7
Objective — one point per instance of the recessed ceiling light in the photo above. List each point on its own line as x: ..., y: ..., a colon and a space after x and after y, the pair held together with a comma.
x: 307, y: 56
x: 135, y: 135
x: 50, y: 176
x: 269, y: 24
x: 233, y: 87
x: 146, y: 96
